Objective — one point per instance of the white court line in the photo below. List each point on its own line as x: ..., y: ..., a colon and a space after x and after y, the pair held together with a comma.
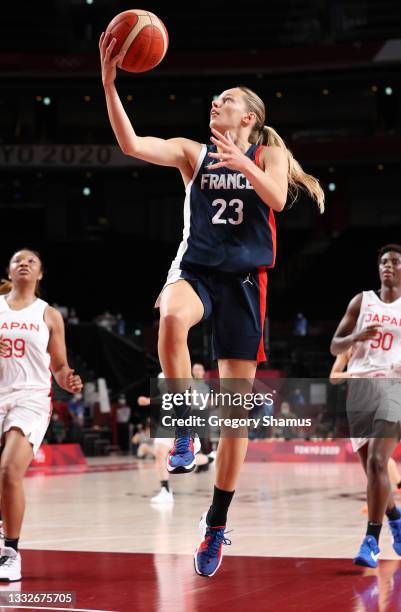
x: 77, y: 539
x: 47, y: 608
x: 297, y: 534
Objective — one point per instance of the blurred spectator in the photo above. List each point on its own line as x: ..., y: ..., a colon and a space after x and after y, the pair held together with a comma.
x: 297, y: 398
x: 72, y: 317
x: 57, y: 430
x: 143, y: 444
x: 120, y: 325
x: 204, y: 457
x: 300, y: 325
x: 323, y: 428
x: 286, y: 432
x: 103, y: 396
x: 106, y: 320
x: 265, y: 410
x: 123, y: 418
x: 198, y: 374
x: 76, y: 408
x: 90, y: 395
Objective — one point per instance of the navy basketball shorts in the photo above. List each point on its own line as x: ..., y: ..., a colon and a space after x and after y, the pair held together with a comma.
x: 236, y: 306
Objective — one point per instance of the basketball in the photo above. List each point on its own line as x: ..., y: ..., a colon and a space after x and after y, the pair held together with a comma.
x: 142, y: 37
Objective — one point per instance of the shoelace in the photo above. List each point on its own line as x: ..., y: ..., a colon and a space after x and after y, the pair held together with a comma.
x: 371, y: 545
x: 6, y: 560
x: 216, y: 538
x: 182, y: 445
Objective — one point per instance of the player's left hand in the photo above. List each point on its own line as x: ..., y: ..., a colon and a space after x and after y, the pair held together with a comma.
x: 4, y: 347
x: 228, y: 154
x: 396, y: 368
x: 69, y: 381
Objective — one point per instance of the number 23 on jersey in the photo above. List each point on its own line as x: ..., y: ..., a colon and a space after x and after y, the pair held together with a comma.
x: 235, y: 208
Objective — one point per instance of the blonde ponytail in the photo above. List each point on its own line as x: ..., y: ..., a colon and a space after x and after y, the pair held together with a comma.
x: 5, y: 286
x: 297, y: 177
x: 266, y: 135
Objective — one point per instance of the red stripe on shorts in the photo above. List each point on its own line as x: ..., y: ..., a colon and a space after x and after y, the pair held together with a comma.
x: 262, y: 304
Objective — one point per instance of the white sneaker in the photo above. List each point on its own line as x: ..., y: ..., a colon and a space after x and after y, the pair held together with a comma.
x: 1, y: 531
x: 10, y: 564
x: 163, y: 497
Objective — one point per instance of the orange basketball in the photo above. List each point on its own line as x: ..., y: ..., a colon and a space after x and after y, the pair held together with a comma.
x: 142, y: 36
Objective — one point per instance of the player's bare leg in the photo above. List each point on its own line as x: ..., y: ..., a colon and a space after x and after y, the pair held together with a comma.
x: 237, y: 376
x: 379, y: 487
x: 165, y: 494
x: 15, y: 458
x: 180, y: 309
x: 231, y: 451
x: 363, y: 455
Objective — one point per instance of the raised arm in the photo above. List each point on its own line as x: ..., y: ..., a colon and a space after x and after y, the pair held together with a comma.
x: 180, y: 153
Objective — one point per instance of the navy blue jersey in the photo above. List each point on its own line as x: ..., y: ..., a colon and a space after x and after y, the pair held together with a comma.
x: 227, y: 227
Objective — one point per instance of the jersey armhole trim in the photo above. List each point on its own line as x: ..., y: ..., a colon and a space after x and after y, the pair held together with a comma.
x: 257, y: 156
x: 197, y: 167
x: 47, y: 305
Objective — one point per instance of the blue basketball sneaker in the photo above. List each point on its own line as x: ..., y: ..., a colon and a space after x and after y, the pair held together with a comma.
x: 209, y: 554
x: 181, y: 458
x: 395, y: 527
x: 368, y: 553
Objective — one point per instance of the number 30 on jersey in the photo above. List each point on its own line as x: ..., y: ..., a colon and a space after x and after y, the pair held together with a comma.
x: 236, y: 211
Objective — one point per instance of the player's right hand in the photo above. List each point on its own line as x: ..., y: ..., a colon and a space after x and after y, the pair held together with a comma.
x: 368, y: 333
x: 106, y: 45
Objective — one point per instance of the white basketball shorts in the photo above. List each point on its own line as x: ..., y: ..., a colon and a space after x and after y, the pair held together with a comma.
x: 29, y: 411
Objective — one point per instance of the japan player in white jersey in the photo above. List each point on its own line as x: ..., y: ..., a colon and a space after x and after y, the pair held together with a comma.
x: 32, y: 347
x: 372, y: 327
x: 337, y: 376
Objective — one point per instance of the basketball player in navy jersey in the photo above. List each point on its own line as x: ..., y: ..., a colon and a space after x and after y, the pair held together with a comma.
x: 372, y: 327
x: 233, y: 188
x: 32, y: 345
